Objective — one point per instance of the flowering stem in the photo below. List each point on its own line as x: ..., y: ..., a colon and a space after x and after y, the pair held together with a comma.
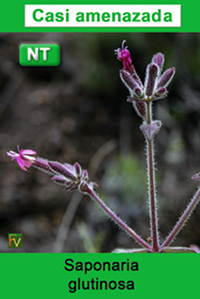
x: 117, y: 220
x: 151, y: 185
x: 179, y: 225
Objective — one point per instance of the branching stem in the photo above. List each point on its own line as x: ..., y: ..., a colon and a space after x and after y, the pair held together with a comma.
x: 179, y: 225
x: 117, y: 220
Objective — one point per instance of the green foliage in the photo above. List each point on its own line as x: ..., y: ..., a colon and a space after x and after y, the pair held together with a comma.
x: 175, y: 151
x: 126, y: 177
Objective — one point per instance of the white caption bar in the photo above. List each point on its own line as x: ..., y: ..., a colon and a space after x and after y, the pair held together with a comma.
x: 102, y: 15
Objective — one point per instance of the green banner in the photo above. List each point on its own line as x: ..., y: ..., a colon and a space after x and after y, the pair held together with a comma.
x: 99, y: 276
x: 13, y: 15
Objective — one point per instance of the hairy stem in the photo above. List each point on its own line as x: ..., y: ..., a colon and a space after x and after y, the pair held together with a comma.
x: 152, y: 186
x: 117, y: 220
x: 179, y: 225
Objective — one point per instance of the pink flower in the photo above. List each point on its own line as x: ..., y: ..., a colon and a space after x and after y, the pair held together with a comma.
x: 24, y: 158
x: 124, y: 55
x: 72, y: 177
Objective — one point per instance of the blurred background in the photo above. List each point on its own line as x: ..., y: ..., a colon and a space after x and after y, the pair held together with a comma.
x: 78, y: 112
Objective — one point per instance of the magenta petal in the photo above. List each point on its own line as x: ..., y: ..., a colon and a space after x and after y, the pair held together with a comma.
x: 12, y: 155
x: 27, y: 152
x: 21, y: 163
x: 27, y: 163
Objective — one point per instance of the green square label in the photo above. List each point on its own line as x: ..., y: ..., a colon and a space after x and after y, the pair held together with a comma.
x: 14, y: 240
x: 39, y: 55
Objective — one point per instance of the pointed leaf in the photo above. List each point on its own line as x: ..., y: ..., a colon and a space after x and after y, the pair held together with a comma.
x: 149, y: 131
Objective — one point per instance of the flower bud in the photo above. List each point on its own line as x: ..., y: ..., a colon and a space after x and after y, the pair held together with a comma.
x: 133, y: 98
x: 78, y: 170
x: 85, y: 175
x: 161, y: 93
x: 166, y: 78
x: 128, y: 80
x: 43, y: 164
x: 137, y: 79
x: 150, y: 81
x: 61, y: 169
x: 138, y: 92
x: 59, y: 179
x: 83, y: 187
x: 140, y: 108
x: 158, y: 59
